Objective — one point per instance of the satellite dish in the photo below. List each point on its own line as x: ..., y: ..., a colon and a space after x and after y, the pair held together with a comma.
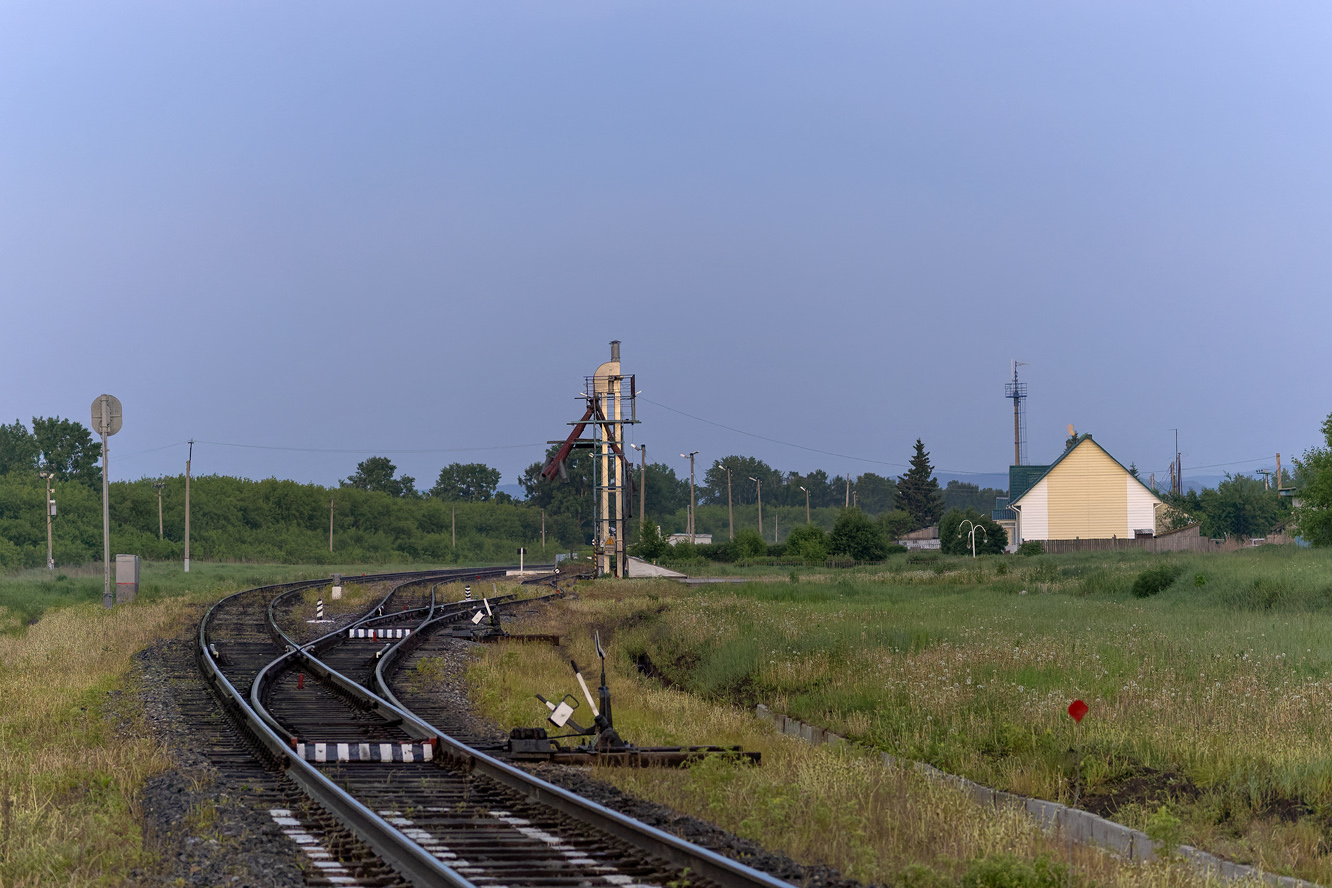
x: 106, y: 418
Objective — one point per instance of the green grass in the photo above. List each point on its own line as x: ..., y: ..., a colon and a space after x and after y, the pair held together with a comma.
x: 1211, y: 696
x: 27, y: 594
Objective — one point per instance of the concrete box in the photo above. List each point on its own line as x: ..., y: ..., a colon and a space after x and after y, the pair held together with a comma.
x: 127, y: 578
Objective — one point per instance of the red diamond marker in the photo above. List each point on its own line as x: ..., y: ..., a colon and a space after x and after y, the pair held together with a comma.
x: 1077, y: 709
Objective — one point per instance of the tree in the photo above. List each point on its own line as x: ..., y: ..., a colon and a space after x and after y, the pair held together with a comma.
x: 18, y: 449
x: 918, y: 491
x: 743, y: 491
x: 807, y: 542
x: 856, y: 536
x: 1313, y: 516
x: 68, y: 450
x: 473, y: 482
x: 875, y: 493
x: 666, y: 493
x: 964, y: 495
x: 955, y: 533
x: 568, y: 496
x: 1240, y: 506
x: 896, y: 524
x: 377, y: 474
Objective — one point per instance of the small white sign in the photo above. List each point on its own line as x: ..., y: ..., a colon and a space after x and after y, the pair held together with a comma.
x: 477, y: 618
x: 561, y: 715
x: 337, y: 592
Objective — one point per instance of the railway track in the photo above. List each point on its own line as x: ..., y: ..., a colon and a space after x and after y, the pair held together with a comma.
x: 380, y: 795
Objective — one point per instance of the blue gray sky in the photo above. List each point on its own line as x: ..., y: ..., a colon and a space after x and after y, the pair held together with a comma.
x: 412, y: 228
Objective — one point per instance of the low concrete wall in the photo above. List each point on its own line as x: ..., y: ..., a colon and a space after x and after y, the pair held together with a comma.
x: 1074, y: 824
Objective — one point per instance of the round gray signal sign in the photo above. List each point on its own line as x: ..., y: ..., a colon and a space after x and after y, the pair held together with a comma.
x: 106, y: 414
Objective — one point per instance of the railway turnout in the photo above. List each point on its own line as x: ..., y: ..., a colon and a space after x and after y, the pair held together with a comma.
x: 393, y: 798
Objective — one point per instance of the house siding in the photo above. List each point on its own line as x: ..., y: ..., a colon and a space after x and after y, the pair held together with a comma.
x: 1141, y: 507
x: 1087, y: 499
x: 1033, y: 518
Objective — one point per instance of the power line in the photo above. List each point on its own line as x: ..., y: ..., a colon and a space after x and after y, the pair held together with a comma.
x: 866, y: 459
x: 369, y: 449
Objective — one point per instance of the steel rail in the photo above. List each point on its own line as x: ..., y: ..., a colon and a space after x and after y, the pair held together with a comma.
x: 709, y: 864
x: 400, y: 852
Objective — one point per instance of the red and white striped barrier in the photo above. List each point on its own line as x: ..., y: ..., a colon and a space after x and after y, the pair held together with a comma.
x: 366, y: 752
x: 373, y: 634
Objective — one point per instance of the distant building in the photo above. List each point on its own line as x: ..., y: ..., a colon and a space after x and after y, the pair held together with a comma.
x: 925, y: 538
x: 1085, y: 494
x: 702, y: 539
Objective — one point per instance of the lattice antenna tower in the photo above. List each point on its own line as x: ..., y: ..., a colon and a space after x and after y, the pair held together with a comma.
x: 1017, y: 393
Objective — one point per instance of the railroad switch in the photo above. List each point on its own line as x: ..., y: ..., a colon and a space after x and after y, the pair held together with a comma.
x: 607, y: 747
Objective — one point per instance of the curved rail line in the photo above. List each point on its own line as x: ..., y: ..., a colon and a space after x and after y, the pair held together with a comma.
x: 434, y: 808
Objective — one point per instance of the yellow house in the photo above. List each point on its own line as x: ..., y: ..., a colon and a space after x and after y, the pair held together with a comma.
x: 1086, y: 494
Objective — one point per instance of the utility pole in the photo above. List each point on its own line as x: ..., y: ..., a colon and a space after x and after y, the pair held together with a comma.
x: 759, y: 486
x: 1278, y: 473
x: 642, y: 489
x: 1179, y: 468
x: 806, y: 489
x: 543, y: 530
x: 776, y: 525
x: 50, y: 510
x: 730, y: 509
x: 847, y: 504
x: 106, y: 421
x: 158, y: 485
x: 453, y: 525
x: 330, y: 524
x: 691, y: 493
x: 188, y: 460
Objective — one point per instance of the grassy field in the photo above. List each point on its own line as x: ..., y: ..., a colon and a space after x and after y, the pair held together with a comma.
x: 1209, y: 700
x: 73, y: 748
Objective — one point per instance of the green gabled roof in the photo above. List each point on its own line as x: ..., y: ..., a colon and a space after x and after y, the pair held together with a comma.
x: 1085, y: 437
x: 1023, y: 478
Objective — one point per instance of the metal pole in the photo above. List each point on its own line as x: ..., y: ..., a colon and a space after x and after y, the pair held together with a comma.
x: 453, y: 524
x: 543, y: 530
x: 50, y: 557
x: 730, y: 510
x: 642, y: 495
x: 107, y: 600
x: 759, y: 484
x: 188, y: 459
x: 806, y: 489
x: 847, y: 504
x: 692, y: 502
x: 330, y: 524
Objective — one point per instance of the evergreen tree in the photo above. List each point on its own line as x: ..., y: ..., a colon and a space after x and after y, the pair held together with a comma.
x: 918, y: 492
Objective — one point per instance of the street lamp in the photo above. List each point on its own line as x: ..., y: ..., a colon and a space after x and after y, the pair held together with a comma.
x: 974, y: 527
x: 806, y: 506
x: 759, y: 486
x: 50, y: 511
x: 690, y: 457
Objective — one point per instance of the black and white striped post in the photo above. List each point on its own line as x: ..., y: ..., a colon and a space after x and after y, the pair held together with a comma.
x: 319, y: 609
x: 467, y: 591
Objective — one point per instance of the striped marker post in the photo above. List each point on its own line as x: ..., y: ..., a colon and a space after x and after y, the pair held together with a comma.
x: 319, y: 609
x: 467, y: 591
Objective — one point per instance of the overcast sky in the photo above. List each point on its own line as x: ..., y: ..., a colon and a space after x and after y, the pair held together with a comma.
x: 412, y: 229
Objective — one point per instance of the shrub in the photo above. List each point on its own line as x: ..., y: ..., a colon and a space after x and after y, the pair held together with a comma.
x: 809, y: 543
x: 1031, y: 547
x: 1007, y: 871
x: 1154, y: 580
x: 650, y: 545
x: 857, y: 536
x: 748, y: 544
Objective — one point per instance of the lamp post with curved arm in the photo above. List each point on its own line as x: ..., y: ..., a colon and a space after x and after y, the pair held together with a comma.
x: 690, y: 456
x: 759, y: 486
x: 806, y: 504
x: 972, y: 533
